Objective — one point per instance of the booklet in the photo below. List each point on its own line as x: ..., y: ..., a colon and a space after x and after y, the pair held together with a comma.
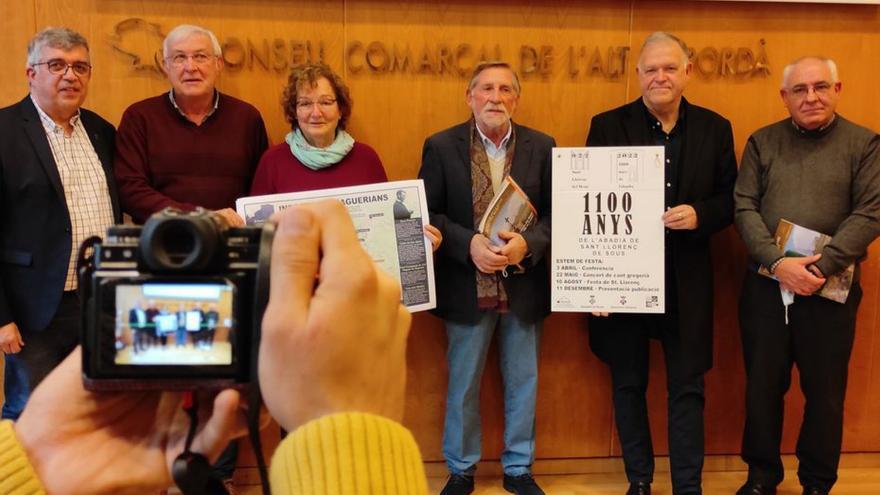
x: 794, y: 240
x: 389, y: 219
x: 510, y: 210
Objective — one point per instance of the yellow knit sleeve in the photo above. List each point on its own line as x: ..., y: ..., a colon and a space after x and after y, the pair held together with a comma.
x: 348, y: 453
x: 17, y: 477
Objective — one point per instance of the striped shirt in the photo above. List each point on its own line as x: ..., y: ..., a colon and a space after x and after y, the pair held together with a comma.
x: 84, y: 183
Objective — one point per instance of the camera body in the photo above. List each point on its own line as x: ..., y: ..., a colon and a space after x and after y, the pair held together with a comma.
x: 175, y: 304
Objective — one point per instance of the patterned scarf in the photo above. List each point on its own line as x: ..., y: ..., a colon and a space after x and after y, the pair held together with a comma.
x: 490, y: 291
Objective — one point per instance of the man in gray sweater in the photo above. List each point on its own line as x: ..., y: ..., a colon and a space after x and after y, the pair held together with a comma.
x: 820, y: 171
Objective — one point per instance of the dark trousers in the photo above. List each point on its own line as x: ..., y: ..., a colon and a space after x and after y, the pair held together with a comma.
x: 42, y: 352
x: 629, y: 365
x: 818, y: 339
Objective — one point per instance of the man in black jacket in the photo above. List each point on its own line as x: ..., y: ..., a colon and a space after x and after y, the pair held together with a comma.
x: 480, y: 285
x: 700, y: 174
x: 55, y: 192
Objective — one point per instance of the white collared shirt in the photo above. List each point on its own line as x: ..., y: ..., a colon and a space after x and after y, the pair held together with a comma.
x: 83, y: 181
x: 497, y: 156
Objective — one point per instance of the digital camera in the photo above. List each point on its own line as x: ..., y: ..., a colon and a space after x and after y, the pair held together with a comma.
x: 175, y: 304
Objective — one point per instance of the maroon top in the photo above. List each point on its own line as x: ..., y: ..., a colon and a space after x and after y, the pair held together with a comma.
x: 163, y: 159
x: 280, y: 172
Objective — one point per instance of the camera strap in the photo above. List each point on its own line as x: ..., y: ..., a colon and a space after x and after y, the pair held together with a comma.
x: 254, y: 395
x: 192, y: 471
x: 85, y: 266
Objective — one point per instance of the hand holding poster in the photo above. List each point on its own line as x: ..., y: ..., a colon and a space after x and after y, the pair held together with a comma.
x: 608, y: 236
x: 389, y: 219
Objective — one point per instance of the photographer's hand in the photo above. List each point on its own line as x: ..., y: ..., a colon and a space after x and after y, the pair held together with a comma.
x: 115, y: 442
x: 338, y: 345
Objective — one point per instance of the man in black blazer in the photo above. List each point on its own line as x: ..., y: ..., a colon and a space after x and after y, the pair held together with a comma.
x: 55, y: 191
x: 700, y: 175
x: 137, y: 323
x: 481, y: 285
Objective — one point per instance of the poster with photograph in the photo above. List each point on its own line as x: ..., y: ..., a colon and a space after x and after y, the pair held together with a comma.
x: 608, y: 236
x: 389, y: 219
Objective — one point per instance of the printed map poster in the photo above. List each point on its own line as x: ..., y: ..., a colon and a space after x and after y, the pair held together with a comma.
x: 607, y: 239
x: 389, y: 220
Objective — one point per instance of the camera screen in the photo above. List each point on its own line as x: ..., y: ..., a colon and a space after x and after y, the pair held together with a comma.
x: 174, y: 324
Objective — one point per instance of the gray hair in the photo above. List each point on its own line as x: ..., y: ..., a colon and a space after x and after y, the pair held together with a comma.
x: 658, y: 36
x: 184, y: 31
x: 492, y: 64
x: 55, y: 37
x: 832, y: 67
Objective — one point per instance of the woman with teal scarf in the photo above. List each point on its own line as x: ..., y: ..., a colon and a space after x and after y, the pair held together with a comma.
x: 317, y: 153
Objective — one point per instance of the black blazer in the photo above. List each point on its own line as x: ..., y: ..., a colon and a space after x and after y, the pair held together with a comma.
x: 35, y: 229
x: 706, y: 177
x: 446, y: 170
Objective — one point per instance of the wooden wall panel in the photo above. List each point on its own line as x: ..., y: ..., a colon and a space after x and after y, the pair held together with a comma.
x: 423, y: 104
x: 16, y: 28
x: 395, y: 112
x: 861, y: 431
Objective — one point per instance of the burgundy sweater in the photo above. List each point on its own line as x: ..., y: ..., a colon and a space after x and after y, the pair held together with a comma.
x: 279, y: 171
x: 163, y: 159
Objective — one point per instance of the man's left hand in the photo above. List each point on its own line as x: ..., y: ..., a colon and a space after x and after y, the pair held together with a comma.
x: 116, y: 442
x: 681, y: 217
x: 515, y: 247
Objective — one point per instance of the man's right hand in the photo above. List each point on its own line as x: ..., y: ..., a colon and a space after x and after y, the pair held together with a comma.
x: 10, y: 339
x: 794, y: 274
x: 486, y: 256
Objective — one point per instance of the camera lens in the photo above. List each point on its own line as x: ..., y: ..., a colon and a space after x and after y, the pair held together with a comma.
x: 179, y: 243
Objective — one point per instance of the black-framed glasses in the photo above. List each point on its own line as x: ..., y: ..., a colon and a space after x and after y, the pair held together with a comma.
x: 59, y: 67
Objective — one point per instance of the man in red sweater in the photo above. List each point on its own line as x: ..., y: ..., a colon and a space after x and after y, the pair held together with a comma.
x: 192, y: 146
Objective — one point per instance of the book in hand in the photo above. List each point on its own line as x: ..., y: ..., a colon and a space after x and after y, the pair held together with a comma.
x: 510, y: 210
x: 797, y: 241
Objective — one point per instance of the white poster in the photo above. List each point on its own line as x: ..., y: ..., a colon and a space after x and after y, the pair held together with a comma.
x: 389, y: 219
x: 607, y: 238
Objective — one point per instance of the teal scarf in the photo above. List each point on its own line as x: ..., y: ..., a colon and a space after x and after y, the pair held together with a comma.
x: 318, y: 158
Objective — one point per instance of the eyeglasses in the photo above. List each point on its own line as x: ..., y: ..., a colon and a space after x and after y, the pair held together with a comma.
x: 59, y: 67
x: 323, y: 103
x: 179, y: 60
x: 802, y: 90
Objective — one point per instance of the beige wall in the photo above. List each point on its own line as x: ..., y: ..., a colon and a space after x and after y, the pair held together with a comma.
x: 395, y: 112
